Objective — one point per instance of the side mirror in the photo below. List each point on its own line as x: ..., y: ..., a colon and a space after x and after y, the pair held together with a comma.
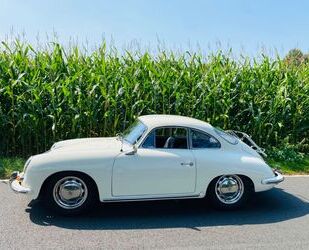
x: 133, y: 151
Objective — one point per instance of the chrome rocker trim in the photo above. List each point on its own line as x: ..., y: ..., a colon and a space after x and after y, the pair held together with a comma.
x: 274, y: 180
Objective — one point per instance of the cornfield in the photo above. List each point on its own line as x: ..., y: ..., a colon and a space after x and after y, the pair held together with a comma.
x: 51, y: 94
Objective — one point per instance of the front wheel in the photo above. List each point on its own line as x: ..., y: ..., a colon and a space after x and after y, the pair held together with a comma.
x: 229, y: 191
x: 70, y: 193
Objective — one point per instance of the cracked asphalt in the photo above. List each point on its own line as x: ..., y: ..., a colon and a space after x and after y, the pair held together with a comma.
x: 277, y: 219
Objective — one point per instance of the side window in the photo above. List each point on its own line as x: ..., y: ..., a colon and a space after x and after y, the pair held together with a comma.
x: 167, y: 137
x: 203, y: 140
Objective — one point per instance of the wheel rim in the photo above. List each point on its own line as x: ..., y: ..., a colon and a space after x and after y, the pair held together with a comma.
x: 70, y: 192
x: 229, y: 189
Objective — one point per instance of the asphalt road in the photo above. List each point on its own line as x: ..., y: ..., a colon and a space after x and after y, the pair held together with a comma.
x: 277, y: 219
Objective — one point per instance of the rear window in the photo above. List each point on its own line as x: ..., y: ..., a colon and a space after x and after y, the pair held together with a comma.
x: 227, y: 136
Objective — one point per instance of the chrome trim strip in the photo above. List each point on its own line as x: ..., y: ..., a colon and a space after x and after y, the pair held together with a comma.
x: 153, y: 199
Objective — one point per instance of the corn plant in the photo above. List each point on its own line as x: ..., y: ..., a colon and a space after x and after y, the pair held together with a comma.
x: 51, y: 94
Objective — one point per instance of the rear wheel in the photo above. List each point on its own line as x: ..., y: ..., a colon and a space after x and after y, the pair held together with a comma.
x: 68, y: 193
x: 229, y: 191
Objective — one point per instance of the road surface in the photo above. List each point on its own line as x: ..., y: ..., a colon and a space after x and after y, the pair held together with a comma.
x: 277, y: 219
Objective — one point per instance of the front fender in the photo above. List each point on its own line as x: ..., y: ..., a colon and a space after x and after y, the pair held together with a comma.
x: 96, y: 166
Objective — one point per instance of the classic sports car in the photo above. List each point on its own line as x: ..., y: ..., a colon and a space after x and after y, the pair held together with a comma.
x: 158, y: 157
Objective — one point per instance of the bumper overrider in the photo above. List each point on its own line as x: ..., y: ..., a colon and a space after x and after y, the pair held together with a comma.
x: 274, y: 180
x: 16, y: 183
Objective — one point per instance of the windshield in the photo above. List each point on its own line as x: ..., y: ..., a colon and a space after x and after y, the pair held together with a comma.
x: 133, y: 133
x: 226, y: 136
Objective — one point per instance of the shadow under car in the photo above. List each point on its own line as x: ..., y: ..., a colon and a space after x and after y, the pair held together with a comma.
x: 272, y: 206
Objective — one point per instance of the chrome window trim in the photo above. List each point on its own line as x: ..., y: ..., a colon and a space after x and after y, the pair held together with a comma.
x: 217, y: 130
x: 188, y: 140
x: 203, y: 132
x: 137, y: 142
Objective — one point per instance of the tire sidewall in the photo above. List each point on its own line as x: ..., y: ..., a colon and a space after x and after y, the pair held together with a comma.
x: 215, y: 202
x: 50, y: 203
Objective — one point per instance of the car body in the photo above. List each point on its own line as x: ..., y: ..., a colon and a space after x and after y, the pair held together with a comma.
x: 159, y: 157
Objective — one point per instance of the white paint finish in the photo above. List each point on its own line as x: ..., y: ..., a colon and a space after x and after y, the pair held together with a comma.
x: 211, y: 164
x: 92, y: 157
x: 150, y: 173
x: 172, y: 120
x: 154, y: 172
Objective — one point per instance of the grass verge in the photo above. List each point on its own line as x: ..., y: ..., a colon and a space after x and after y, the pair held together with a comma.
x: 291, y: 168
x: 8, y: 165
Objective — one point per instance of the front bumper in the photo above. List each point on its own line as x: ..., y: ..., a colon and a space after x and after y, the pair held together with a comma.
x: 16, y: 183
x: 274, y: 180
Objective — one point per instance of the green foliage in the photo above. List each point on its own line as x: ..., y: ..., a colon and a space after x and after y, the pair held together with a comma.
x: 288, y: 153
x: 8, y: 165
x: 54, y: 94
x: 291, y: 167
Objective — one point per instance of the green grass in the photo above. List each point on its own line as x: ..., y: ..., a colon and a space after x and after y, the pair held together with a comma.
x: 8, y: 165
x: 290, y: 168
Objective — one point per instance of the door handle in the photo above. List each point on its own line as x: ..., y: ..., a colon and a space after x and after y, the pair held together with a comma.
x: 190, y: 164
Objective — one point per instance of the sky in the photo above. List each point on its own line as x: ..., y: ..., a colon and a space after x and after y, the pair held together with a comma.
x: 247, y: 27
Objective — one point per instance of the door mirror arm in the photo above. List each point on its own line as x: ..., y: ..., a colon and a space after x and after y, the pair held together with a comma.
x: 133, y: 151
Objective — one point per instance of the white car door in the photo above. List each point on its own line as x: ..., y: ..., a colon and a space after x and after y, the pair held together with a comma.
x: 163, y: 167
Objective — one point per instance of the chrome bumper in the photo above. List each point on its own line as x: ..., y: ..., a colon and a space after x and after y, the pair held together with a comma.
x: 274, y: 180
x: 15, y: 183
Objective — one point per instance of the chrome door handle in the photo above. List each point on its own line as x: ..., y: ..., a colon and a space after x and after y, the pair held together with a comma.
x: 187, y: 164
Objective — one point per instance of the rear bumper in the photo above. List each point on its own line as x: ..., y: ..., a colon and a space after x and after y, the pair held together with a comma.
x: 274, y: 180
x: 16, y: 183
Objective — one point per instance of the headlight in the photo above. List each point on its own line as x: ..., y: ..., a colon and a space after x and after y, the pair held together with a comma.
x: 27, y: 164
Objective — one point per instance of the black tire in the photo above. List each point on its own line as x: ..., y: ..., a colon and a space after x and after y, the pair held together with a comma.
x: 240, y: 202
x: 50, y: 196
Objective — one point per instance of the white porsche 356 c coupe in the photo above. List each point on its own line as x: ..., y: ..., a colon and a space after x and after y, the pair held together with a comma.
x: 158, y: 157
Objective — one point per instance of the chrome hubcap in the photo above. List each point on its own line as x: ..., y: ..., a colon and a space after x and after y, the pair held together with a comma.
x: 70, y: 192
x: 229, y: 189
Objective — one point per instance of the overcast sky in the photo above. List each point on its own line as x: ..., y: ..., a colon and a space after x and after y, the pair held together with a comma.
x: 245, y: 26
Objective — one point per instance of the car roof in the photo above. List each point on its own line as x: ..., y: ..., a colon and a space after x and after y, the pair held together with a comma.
x: 173, y: 120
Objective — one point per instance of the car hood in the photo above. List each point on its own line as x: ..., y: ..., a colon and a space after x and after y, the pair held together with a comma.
x: 85, y: 144
x: 75, y: 155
